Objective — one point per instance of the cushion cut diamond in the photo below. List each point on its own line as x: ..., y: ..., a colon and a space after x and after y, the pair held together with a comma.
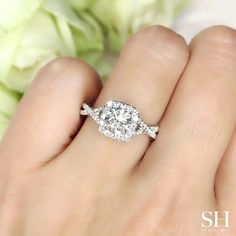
x: 118, y: 120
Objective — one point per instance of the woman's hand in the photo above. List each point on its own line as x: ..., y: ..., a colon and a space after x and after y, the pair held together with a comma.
x: 61, y: 177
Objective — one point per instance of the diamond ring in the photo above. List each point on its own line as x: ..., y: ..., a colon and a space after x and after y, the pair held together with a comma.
x: 120, y: 121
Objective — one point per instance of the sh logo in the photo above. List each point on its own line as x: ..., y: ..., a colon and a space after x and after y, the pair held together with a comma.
x: 215, y: 220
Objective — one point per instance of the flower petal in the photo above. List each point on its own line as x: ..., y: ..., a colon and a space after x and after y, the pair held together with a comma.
x: 15, y: 12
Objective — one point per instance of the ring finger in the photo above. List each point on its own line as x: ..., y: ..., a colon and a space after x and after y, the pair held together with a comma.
x: 145, y: 77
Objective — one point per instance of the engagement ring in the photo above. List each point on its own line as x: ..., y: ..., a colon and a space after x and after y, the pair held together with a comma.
x: 120, y: 121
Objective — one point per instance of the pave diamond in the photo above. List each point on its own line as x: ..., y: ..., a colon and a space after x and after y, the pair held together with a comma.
x: 119, y: 120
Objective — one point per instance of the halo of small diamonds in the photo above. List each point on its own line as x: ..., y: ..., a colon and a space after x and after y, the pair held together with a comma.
x: 118, y: 120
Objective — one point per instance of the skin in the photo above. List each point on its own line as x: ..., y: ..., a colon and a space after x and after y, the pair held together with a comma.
x: 60, y: 177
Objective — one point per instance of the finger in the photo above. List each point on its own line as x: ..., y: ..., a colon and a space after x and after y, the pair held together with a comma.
x: 145, y: 77
x: 48, y: 116
x: 226, y: 179
x: 200, y: 119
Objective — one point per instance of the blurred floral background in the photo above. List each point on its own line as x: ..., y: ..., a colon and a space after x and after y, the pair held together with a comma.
x: 32, y: 32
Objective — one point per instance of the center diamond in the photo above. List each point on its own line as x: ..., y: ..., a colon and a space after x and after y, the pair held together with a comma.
x: 119, y: 120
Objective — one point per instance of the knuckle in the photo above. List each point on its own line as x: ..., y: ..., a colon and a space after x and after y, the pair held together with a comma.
x: 220, y: 42
x: 58, y: 65
x: 160, y: 43
x: 69, y: 70
x: 222, y: 34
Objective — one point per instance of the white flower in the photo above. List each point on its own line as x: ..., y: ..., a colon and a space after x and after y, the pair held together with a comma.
x: 122, y: 18
x: 32, y: 32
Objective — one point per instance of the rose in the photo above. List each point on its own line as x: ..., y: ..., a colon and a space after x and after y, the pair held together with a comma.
x: 122, y: 18
x: 31, y: 34
x: 34, y: 32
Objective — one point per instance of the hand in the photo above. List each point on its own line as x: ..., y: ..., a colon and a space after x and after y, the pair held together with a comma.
x: 60, y: 176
